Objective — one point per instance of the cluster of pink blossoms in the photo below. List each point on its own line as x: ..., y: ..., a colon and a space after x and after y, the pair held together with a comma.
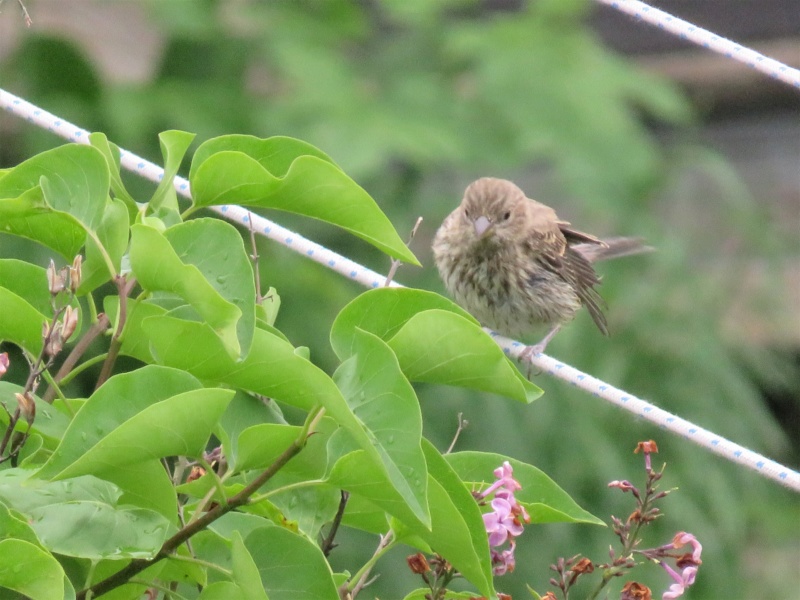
x: 504, y: 523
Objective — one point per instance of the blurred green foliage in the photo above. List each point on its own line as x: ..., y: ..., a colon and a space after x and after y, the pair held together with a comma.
x: 414, y: 99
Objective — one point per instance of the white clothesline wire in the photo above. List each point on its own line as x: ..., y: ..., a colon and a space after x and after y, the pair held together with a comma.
x: 707, y: 439
x: 707, y: 39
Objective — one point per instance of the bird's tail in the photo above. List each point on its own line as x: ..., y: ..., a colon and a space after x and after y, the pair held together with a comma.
x: 615, y: 247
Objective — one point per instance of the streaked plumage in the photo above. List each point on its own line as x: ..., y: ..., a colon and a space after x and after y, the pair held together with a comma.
x: 513, y: 264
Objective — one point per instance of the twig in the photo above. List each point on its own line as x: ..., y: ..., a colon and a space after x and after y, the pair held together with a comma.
x: 462, y: 425
x: 96, y: 329
x: 138, y: 565
x: 397, y: 262
x: 327, y: 544
x: 124, y: 286
x: 28, y: 20
x: 363, y: 576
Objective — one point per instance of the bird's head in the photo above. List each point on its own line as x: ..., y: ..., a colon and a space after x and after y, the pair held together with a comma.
x: 493, y: 210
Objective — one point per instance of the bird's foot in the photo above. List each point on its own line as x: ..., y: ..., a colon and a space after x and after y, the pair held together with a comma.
x: 530, y: 351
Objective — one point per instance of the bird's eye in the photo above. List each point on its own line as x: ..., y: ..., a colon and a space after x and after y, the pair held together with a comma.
x: 506, y: 216
x: 466, y: 213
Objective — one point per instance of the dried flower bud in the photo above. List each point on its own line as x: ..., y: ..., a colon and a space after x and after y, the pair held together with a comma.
x: 70, y: 322
x: 55, y: 281
x: 584, y: 565
x: 75, y: 274
x: 648, y: 447
x: 635, y: 591
x: 195, y: 473
x: 53, y: 340
x: 4, y: 363
x: 418, y: 564
x: 27, y: 407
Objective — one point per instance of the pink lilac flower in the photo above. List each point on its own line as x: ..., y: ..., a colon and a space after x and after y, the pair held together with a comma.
x: 503, y: 524
x: 503, y: 562
x: 681, y: 538
x: 682, y: 581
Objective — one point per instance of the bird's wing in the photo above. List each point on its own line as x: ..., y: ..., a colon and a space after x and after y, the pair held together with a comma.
x: 574, y: 236
x: 581, y: 275
x: 577, y: 271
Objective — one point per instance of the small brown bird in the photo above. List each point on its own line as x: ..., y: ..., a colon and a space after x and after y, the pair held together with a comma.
x: 513, y: 264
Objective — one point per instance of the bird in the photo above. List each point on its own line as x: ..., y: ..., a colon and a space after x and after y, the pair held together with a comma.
x: 514, y: 265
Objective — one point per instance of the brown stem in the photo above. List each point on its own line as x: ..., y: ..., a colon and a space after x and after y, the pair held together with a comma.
x: 327, y: 543
x: 138, y: 565
x: 124, y: 286
x: 77, y: 352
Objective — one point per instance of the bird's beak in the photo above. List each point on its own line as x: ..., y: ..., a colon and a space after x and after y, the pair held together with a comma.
x: 482, y: 225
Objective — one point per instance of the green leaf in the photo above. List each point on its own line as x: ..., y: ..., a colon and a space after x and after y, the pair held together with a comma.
x: 112, y: 234
x: 457, y: 531
x: 13, y: 525
x: 135, y: 341
x: 29, y: 216
x: 223, y: 590
x: 31, y: 571
x: 435, y: 341
x: 291, y: 566
x: 145, y: 414
x: 20, y: 323
x: 95, y: 530
x: 383, y: 399
x: 28, y: 281
x: 218, y: 252
x: 82, y: 517
x: 383, y: 311
x: 448, y: 595
x: 203, y: 262
x: 111, y: 154
x: 174, y: 145
x: 276, y: 153
x: 74, y: 179
x: 438, y: 346
x: 245, y: 571
x: 273, y: 369
x: 540, y: 495
x: 254, y: 172
x: 144, y: 484
x: 260, y: 445
x: 360, y: 475
x: 244, y: 411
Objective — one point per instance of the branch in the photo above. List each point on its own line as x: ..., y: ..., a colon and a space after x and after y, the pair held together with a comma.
x: 138, y: 565
x: 80, y: 348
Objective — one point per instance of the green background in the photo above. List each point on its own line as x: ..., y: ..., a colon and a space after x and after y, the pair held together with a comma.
x: 416, y: 99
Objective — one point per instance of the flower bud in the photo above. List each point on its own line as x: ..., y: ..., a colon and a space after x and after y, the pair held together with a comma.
x: 75, y: 274
x: 53, y: 340
x: 195, y: 474
x: 4, y: 363
x: 635, y: 591
x: 418, y: 564
x: 27, y: 407
x: 70, y: 322
x: 55, y: 281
